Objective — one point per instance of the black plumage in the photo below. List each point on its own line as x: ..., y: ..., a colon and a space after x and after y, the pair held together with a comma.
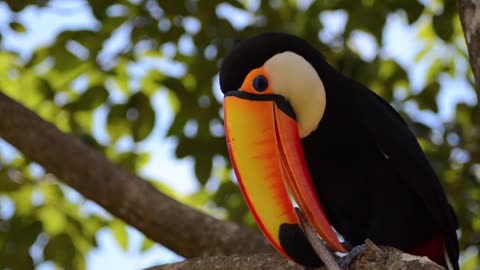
x: 368, y: 169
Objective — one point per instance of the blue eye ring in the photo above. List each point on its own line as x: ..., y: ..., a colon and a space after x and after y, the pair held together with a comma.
x: 260, y: 83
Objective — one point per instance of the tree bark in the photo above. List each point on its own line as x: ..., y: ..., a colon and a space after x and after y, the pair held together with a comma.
x: 180, y: 228
x: 389, y: 258
x: 470, y: 16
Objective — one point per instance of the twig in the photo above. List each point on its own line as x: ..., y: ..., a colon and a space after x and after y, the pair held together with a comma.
x: 372, y: 246
x: 317, y: 244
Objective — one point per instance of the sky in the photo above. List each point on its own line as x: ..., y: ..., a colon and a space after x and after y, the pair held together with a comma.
x: 44, y: 24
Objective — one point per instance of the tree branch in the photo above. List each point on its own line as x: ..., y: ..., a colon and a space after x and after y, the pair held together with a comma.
x: 318, y: 246
x: 470, y: 16
x: 180, y: 228
x: 262, y: 261
x: 387, y: 258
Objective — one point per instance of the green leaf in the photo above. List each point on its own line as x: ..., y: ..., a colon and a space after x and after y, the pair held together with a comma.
x: 84, y: 119
x: 151, y: 82
x: 119, y: 231
x: 90, y: 100
x: 443, y: 26
x: 184, y: 147
x: 427, y: 99
x: 16, y: 237
x: 17, y: 5
x: 7, y: 185
x: 228, y: 195
x: 67, y: 69
x: 421, y: 55
x: 165, y: 188
x: 122, y: 78
x: 22, y: 200
x: 141, y: 115
x: 203, y: 168
x: 54, y: 221
x: 52, y: 192
x: 117, y: 124
x: 25, y: 230
x: 425, y: 31
x: 147, y: 244
x: 413, y: 9
x: 435, y: 68
x: 388, y: 68
x: 61, y: 250
x: 17, y: 27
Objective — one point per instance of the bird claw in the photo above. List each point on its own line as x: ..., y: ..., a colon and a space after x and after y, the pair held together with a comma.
x: 347, y: 260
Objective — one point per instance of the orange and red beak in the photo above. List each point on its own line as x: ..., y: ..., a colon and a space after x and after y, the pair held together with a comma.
x: 269, y: 162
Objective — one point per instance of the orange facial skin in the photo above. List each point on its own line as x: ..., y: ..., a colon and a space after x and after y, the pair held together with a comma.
x: 247, y: 85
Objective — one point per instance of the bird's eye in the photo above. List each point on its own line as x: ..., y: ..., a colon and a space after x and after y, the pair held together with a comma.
x: 260, y: 83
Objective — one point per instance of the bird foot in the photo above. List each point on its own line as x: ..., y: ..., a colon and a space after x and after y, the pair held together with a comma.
x: 346, y: 261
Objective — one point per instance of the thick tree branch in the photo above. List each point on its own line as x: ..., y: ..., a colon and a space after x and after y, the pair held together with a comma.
x: 180, y: 228
x: 470, y: 16
x: 389, y: 258
x: 262, y: 261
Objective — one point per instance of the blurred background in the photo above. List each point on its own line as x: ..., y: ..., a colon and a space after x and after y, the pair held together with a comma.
x: 138, y: 81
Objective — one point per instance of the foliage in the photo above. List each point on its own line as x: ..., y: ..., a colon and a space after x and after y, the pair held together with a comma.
x: 134, y: 51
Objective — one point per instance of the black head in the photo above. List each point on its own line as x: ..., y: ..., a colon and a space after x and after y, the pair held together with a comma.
x: 254, y: 52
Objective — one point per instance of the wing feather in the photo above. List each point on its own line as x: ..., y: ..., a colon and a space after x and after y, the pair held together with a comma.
x: 395, y: 140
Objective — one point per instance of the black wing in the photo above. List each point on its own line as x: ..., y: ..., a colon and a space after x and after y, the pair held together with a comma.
x: 396, y: 141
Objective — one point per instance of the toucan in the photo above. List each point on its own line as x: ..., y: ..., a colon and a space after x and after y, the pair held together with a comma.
x: 300, y: 133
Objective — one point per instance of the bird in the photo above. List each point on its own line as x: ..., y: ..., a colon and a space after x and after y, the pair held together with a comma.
x: 299, y: 132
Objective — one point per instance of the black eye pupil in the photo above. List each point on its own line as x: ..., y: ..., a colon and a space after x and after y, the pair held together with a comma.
x: 260, y: 83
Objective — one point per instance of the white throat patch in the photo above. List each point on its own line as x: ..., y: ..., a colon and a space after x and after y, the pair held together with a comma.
x: 294, y: 78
